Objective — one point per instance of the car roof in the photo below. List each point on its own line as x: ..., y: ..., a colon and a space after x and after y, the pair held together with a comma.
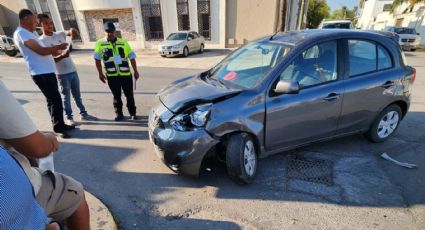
x: 336, y: 21
x: 296, y: 37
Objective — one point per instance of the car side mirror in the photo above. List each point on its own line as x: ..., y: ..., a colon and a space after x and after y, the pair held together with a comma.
x: 189, y: 38
x: 418, y: 34
x: 287, y: 87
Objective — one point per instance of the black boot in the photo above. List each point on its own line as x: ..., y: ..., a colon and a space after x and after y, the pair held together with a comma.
x: 119, y: 117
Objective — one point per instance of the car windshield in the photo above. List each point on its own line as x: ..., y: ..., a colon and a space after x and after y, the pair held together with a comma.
x: 10, y: 41
x: 337, y: 25
x: 247, y: 67
x: 404, y: 31
x: 177, y: 36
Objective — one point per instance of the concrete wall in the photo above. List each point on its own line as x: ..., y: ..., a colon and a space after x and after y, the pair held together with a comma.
x: 249, y: 19
x: 370, y: 10
x: 94, y: 21
x: 10, y: 9
x: 83, y: 5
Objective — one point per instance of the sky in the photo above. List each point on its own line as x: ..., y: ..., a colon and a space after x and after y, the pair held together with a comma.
x: 336, y: 4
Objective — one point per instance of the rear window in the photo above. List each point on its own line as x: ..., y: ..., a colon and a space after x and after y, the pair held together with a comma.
x: 404, y: 31
x: 343, y: 25
x: 366, y: 57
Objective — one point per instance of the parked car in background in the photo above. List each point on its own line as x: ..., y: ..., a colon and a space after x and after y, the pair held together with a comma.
x: 8, y: 46
x: 182, y: 43
x: 409, y: 39
x: 336, y: 24
x: 279, y: 93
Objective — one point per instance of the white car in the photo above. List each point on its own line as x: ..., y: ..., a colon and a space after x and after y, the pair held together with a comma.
x: 182, y: 43
x: 336, y: 24
x: 408, y: 39
x: 8, y: 46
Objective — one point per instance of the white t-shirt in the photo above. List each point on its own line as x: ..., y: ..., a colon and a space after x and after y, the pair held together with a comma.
x: 15, y: 123
x: 37, y: 64
x: 65, y: 65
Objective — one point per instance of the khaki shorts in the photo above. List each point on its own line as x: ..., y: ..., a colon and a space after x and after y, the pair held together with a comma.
x: 59, y: 195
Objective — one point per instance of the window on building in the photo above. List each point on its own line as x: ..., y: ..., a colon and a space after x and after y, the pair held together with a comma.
x: 67, y: 14
x: 31, y: 5
x: 204, y: 18
x: 183, y: 14
x: 387, y: 7
x: 152, y: 19
x: 44, y: 7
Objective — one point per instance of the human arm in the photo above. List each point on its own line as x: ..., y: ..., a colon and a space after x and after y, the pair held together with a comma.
x: 132, y: 57
x: 18, y: 131
x: 134, y: 65
x: 36, y: 47
x: 102, y: 77
x: 61, y: 56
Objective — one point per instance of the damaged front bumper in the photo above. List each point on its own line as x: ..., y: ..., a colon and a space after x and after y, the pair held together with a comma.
x: 181, y: 151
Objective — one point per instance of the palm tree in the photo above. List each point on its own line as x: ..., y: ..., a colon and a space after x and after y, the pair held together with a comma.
x: 397, y: 3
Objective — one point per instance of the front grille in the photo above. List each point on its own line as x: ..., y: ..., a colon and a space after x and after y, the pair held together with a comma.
x: 404, y: 40
x: 411, y: 40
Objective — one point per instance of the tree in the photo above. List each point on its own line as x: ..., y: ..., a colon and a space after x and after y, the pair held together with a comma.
x: 317, y: 11
x: 344, y: 13
x: 397, y: 3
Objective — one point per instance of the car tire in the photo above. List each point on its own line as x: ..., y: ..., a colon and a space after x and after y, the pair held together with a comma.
x: 385, y: 124
x: 185, y: 51
x: 163, y: 55
x: 11, y: 53
x: 241, y: 158
x: 201, y: 49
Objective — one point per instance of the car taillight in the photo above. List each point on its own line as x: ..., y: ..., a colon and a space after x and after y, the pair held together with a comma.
x: 414, y: 74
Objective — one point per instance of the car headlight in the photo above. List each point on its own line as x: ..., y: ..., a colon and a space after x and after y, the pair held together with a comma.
x: 192, y: 118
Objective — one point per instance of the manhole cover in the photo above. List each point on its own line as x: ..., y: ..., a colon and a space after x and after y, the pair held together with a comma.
x: 310, y: 169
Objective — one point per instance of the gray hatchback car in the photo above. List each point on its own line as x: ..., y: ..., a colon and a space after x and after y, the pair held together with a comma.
x: 279, y: 93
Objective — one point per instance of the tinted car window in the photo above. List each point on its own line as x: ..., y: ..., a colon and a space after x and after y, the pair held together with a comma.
x: 191, y: 36
x: 177, y: 36
x: 314, y: 66
x: 362, y: 57
x: 384, y: 58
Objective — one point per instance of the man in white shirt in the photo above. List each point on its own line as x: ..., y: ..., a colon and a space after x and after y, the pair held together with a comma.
x: 42, y: 67
x: 65, y: 69
x: 61, y: 197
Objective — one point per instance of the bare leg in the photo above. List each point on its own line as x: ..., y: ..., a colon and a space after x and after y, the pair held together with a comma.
x: 80, y: 219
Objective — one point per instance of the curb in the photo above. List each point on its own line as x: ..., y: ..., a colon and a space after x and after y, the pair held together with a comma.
x: 100, y: 216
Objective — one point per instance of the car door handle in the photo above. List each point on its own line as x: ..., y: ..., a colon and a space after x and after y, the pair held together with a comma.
x: 388, y: 84
x: 331, y: 97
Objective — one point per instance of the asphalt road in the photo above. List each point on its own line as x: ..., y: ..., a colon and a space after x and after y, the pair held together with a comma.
x: 356, y: 188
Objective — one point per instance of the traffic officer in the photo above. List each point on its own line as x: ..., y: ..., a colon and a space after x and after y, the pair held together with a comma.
x: 115, y: 54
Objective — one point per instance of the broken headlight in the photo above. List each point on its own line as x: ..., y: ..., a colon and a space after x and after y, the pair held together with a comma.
x: 192, y: 118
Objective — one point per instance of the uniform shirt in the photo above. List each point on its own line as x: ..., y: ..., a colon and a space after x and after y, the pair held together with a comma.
x: 18, y: 207
x: 15, y: 123
x: 37, y: 64
x: 65, y: 65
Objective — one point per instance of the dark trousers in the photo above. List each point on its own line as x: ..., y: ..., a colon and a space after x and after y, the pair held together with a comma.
x: 48, y: 85
x: 124, y: 84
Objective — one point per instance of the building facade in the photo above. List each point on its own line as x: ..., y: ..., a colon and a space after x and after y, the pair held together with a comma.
x: 145, y: 23
x: 404, y: 16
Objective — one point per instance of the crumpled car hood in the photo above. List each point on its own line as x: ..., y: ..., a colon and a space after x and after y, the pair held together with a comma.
x: 192, y: 91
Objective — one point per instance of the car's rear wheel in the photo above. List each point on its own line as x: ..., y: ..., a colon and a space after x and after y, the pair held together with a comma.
x: 163, y: 55
x: 11, y: 53
x: 385, y: 124
x: 241, y: 158
x: 201, y: 49
x: 185, y: 51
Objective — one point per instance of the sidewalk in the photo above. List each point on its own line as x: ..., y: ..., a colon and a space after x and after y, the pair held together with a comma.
x: 148, y: 58
x: 100, y: 216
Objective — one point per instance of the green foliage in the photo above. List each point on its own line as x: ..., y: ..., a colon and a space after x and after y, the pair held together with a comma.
x: 397, y: 3
x: 344, y: 13
x: 317, y: 11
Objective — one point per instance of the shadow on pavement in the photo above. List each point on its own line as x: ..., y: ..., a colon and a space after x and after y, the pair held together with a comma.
x: 360, y: 178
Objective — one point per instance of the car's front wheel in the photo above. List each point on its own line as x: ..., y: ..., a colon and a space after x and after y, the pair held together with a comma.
x: 185, y: 51
x: 241, y: 158
x: 385, y: 124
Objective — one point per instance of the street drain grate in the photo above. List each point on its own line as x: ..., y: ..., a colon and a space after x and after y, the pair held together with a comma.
x: 310, y: 169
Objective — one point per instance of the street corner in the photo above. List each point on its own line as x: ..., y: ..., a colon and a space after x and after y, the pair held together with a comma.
x: 100, y: 216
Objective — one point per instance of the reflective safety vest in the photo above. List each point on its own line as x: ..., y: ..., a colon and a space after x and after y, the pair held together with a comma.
x: 114, y: 56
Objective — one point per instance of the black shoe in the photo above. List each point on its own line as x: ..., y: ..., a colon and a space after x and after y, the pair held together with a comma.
x: 62, y: 133
x: 133, y: 118
x: 119, y: 117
